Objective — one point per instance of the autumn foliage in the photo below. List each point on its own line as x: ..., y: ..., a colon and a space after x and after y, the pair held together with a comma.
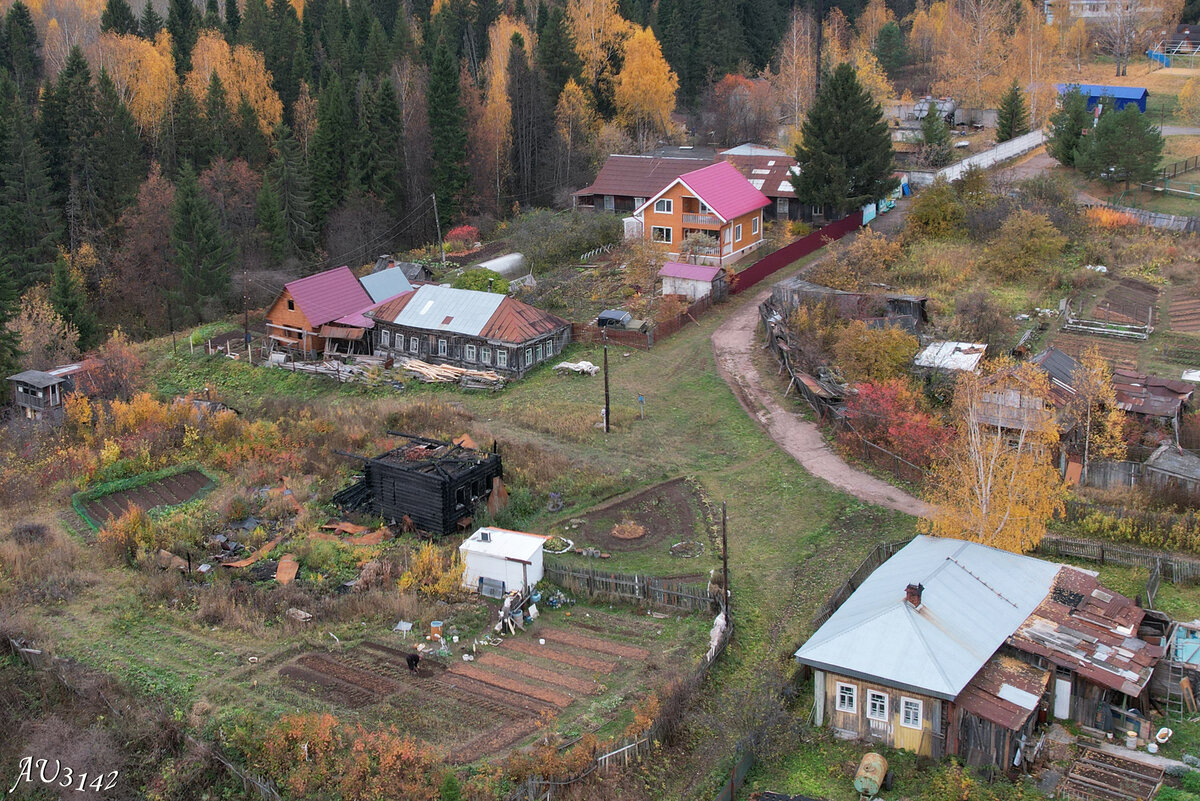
x: 1104, y: 217
x: 315, y: 756
x: 894, y: 415
x: 433, y: 572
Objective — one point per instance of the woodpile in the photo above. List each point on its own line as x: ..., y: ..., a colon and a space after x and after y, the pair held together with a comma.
x: 447, y: 373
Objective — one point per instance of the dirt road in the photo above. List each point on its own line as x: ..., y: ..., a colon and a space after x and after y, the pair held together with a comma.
x: 734, y: 343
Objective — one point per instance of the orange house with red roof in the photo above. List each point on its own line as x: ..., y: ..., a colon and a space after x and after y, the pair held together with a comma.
x: 716, y: 200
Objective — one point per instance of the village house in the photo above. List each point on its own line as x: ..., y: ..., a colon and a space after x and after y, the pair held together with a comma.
x: 770, y: 171
x: 322, y: 315
x: 1157, y: 399
x: 39, y: 394
x: 951, y: 647
x: 715, y: 202
x: 950, y: 357
x: 467, y: 328
x: 625, y: 182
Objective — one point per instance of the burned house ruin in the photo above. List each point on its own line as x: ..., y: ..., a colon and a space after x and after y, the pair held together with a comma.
x: 425, y: 484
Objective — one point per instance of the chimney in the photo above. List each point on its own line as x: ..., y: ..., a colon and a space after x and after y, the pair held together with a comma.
x: 912, y: 594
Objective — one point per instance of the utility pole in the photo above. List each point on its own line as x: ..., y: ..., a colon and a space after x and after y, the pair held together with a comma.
x: 171, y: 324
x: 438, y: 223
x: 607, y: 410
x: 725, y: 564
x: 246, y: 308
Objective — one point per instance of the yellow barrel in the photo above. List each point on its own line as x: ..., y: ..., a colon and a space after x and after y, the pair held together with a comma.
x: 871, y: 771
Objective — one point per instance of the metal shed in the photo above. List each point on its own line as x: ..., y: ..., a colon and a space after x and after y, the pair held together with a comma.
x: 1118, y: 97
x: 497, y: 561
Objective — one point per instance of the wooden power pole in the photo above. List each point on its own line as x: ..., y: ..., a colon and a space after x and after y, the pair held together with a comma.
x: 725, y: 563
x: 607, y: 409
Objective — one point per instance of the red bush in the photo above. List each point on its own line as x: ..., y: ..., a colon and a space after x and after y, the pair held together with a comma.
x: 893, y: 415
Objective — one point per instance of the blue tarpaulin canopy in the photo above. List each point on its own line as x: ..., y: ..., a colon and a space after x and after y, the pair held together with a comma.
x: 1116, y: 96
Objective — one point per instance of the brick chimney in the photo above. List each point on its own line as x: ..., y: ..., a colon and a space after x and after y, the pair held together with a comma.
x: 912, y: 594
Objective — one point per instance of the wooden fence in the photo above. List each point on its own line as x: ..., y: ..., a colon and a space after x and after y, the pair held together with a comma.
x: 878, y: 555
x: 629, y: 587
x: 792, y: 253
x: 1172, y: 567
x: 586, y: 333
x: 880, y: 457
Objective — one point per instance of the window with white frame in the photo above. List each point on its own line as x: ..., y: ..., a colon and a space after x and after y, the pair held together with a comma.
x: 664, y: 206
x: 528, y: 356
x: 638, y: 202
x: 754, y: 226
x: 737, y: 233
x: 660, y: 233
x: 847, y: 697
x: 609, y: 203
x: 469, y: 353
x: 728, y: 235
x: 441, y: 347
x: 414, y: 344
x: 385, y: 338
x: 877, y: 705
x: 501, y: 357
x: 539, y: 353
x: 910, y: 713
x: 485, y: 355
x: 549, y: 348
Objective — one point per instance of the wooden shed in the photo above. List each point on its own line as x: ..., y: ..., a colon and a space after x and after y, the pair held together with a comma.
x: 426, y: 484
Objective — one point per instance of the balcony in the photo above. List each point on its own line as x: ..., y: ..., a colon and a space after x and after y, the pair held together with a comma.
x: 701, y: 219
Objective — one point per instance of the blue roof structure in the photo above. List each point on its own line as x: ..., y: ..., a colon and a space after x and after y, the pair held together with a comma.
x: 385, y: 284
x: 1118, y: 96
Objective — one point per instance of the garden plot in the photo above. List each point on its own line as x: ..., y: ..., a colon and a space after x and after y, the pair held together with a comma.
x: 1184, y: 312
x: 669, y: 513
x: 483, y: 707
x: 167, y: 491
x: 1120, y: 354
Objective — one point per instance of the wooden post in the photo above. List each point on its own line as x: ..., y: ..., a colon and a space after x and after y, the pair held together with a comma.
x: 607, y: 410
x: 725, y: 564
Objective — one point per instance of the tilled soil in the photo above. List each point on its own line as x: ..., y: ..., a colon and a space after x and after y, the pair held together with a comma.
x: 667, y: 511
x: 557, y: 655
x: 518, y: 668
x: 574, y: 640
x: 327, y: 687
x: 168, y: 491
x: 558, y: 699
x: 350, y: 675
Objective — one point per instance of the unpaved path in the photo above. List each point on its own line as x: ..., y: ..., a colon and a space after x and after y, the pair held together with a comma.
x: 734, y: 344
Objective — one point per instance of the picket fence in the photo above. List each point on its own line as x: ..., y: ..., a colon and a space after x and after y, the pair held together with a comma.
x: 628, y: 587
x: 1172, y: 567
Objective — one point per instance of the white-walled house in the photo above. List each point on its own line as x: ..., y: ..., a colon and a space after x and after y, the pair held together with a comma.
x: 499, y: 559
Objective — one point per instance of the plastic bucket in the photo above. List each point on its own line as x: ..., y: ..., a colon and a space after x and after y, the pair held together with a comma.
x: 435, y: 628
x: 1131, y: 740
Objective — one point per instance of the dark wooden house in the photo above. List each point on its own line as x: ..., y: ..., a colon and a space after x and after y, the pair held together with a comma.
x: 426, y: 484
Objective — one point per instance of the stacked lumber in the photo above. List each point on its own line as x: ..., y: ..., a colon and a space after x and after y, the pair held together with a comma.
x: 428, y: 373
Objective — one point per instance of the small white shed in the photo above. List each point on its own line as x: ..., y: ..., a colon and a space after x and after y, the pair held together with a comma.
x: 497, y: 559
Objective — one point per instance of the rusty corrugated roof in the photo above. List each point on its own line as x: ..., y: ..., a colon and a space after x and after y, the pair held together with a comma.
x: 516, y: 322
x: 638, y: 176
x: 1005, y: 691
x: 1150, y: 395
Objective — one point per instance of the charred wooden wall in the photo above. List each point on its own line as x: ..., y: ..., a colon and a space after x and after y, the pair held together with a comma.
x: 434, y: 502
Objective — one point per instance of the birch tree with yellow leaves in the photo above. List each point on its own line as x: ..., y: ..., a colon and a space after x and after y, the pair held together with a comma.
x: 243, y: 73
x: 645, y: 88
x: 996, y: 484
x: 1093, y: 412
x: 794, y: 81
x: 143, y: 73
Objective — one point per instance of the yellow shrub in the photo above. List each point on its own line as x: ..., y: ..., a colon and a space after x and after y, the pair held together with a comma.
x: 433, y: 573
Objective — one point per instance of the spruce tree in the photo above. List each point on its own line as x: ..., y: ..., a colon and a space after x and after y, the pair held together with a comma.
x: 1067, y: 126
x: 290, y: 183
x: 329, y: 160
x: 532, y: 125
x: 285, y: 45
x: 29, y: 223
x: 845, y: 157
x: 233, y: 20
x: 10, y: 345
x: 247, y: 140
x: 189, y: 133
x: 118, y: 18
x: 889, y: 48
x: 377, y: 57
x: 183, y: 23
x: 23, y: 50
x: 1124, y: 146
x: 202, y: 251
x: 217, y: 123
x: 556, y: 56
x: 1013, y: 118
x: 271, y: 224
x: 212, y: 16
x: 120, y: 165
x: 448, y: 129
x: 377, y: 160
x: 68, y: 125
x: 150, y: 23
x: 255, y: 29
x: 69, y: 299
x: 935, y: 137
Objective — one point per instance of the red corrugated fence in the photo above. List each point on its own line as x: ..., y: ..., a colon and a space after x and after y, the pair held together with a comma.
x: 792, y: 253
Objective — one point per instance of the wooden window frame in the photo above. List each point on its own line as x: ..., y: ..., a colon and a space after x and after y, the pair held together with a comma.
x: 754, y: 226
x: 872, y: 695
x: 443, y: 348
x: 485, y: 354
x: 469, y: 353
x: 385, y: 338
x: 737, y: 233
x: 904, y: 702
x: 502, y: 358
x: 840, y: 695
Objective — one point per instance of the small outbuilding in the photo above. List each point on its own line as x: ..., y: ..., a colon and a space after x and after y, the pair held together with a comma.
x: 1171, y: 466
x: 693, y: 281
x: 497, y: 561
x: 951, y: 357
x: 1115, y: 97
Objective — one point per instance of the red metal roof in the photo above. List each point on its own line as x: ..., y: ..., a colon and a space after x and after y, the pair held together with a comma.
x: 1091, y: 630
x: 390, y: 309
x: 769, y: 174
x: 516, y: 322
x: 990, y: 695
x: 1150, y: 395
x: 329, y: 295
x: 724, y: 190
x: 638, y: 176
x: 694, y: 272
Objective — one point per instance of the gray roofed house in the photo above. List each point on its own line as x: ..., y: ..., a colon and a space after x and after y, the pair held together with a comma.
x: 443, y: 308
x: 1169, y: 464
x: 386, y: 283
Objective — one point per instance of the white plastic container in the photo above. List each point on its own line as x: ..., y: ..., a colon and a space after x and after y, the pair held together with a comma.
x: 1131, y: 740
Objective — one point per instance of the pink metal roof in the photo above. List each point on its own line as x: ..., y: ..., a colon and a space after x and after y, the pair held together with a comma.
x: 358, y: 318
x: 695, y: 272
x: 329, y: 295
x: 725, y: 190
